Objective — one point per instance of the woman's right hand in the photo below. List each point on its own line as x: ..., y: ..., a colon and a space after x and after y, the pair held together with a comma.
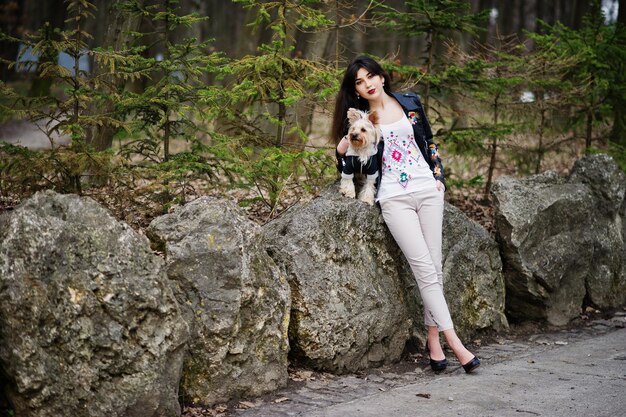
x: 342, y: 146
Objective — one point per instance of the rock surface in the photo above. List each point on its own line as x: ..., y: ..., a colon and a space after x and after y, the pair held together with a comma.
x: 562, y: 240
x: 606, y: 280
x: 89, y: 325
x: 622, y: 276
x: 349, y: 309
x: 233, y: 296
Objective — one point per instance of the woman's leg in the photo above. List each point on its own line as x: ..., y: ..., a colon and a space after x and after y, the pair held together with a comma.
x: 460, y: 351
x: 401, y: 215
x: 434, y: 345
x: 415, y: 240
x: 430, y: 213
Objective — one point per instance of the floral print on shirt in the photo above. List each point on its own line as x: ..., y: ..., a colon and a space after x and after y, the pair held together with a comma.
x: 400, y: 154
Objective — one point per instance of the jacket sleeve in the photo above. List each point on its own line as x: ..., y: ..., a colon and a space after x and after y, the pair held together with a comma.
x: 341, y: 161
x: 433, y: 151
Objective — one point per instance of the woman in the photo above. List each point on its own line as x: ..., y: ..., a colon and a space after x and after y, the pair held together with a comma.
x: 410, y: 191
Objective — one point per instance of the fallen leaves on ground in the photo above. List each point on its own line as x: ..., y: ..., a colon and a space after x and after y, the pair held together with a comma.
x: 476, y: 207
x: 300, y: 375
x: 303, y: 375
x: 244, y: 405
x: 215, y: 411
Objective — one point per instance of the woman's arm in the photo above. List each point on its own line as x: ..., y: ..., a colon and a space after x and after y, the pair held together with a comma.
x: 434, y: 157
x: 342, y: 146
x: 340, y: 151
x: 433, y: 151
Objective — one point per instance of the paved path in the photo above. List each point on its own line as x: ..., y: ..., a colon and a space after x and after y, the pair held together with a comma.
x: 583, y: 379
x: 571, y: 372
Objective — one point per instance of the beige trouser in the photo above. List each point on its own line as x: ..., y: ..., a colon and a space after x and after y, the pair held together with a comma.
x: 415, y: 221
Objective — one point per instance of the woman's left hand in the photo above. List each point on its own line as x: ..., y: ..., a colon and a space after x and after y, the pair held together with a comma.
x: 440, y: 186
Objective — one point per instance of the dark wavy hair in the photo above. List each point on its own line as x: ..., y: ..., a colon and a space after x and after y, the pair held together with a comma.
x: 347, y: 97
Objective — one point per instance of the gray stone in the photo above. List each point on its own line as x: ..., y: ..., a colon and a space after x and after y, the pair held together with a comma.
x: 233, y: 296
x: 606, y: 280
x: 541, y: 223
x: 622, y: 276
x: 89, y: 325
x: 349, y: 309
x: 562, y: 239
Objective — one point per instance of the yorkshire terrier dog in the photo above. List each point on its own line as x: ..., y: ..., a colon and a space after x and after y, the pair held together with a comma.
x: 363, y: 137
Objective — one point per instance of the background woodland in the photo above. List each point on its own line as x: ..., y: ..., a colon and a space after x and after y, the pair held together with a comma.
x: 148, y: 104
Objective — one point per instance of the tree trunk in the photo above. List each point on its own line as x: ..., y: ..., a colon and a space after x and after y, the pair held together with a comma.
x: 429, y: 64
x: 589, y: 130
x: 312, y: 47
x: 486, y: 38
x: 509, y: 16
x: 358, y: 38
x: 248, y: 39
x: 167, y: 34
x: 530, y: 18
x: 34, y: 15
x: 459, y: 115
x: 581, y: 8
x: 494, y: 149
x: 117, y: 25
x: 10, y: 22
x: 37, y: 12
x: 167, y: 133
x: 618, y: 132
x: 542, y: 126
x: 40, y: 86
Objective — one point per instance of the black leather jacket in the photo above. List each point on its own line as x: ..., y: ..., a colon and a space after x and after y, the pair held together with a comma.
x: 414, y: 111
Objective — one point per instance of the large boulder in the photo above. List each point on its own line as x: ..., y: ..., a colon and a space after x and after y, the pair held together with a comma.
x: 539, y: 221
x: 349, y: 309
x: 472, y: 270
x: 89, y: 325
x: 354, y: 298
x: 622, y: 216
x: 234, y: 299
x: 562, y: 240
x: 606, y: 282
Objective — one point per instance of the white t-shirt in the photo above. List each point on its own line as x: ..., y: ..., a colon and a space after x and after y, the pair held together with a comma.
x: 404, y: 168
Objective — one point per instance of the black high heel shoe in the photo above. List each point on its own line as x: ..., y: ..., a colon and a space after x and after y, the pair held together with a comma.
x: 436, y: 366
x: 471, y: 365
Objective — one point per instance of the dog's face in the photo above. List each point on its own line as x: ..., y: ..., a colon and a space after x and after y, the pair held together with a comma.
x: 362, y: 132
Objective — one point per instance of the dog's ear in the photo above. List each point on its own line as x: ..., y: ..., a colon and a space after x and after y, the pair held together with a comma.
x: 373, y: 117
x: 354, y: 115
